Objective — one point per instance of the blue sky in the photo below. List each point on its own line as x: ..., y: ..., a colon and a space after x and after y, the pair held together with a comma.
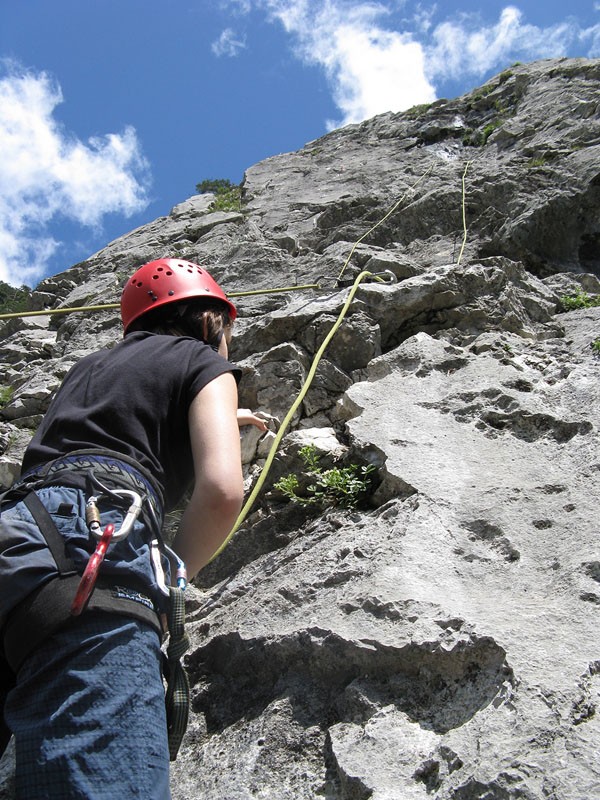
x: 111, y: 111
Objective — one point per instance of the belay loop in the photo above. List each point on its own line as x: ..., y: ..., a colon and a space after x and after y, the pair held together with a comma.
x: 177, y: 699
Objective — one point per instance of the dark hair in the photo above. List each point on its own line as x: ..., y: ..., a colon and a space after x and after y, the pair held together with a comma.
x: 207, y: 320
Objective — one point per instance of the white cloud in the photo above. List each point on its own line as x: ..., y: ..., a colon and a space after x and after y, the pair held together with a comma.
x: 467, y: 48
x: 46, y: 174
x: 370, y: 70
x: 228, y: 44
x: 376, y: 71
x: 375, y: 61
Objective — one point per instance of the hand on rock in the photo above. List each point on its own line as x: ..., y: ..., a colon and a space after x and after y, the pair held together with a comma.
x: 246, y: 417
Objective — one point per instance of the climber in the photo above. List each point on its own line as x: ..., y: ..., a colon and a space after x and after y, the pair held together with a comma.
x: 149, y: 418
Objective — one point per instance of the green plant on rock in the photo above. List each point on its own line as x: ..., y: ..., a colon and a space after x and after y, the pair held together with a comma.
x: 579, y: 299
x: 13, y: 299
x: 595, y: 345
x: 214, y: 185
x: 416, y: 111
x: 479, y: 138
x: 228, y: 195
x: 310, y: 457
x: 6, y: 393
x: 482, y: 92
x: 538, y: 161
x: 508, y: 73
x: 344, y: 487
x: 489, y: 129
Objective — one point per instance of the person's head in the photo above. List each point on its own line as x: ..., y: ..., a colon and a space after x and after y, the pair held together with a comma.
x: 179, y: 298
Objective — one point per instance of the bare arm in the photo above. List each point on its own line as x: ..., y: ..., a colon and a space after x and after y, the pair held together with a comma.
x: 218, y: 483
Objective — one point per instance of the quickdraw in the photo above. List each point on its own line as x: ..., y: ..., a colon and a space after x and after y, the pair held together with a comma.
x: 92, y: 515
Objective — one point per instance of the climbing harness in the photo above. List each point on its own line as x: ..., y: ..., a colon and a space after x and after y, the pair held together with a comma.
x: 49, y: 607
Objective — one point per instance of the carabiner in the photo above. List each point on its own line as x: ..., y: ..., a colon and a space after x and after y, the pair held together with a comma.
x: 133, y: 513
x: 387, y: 277
x: 90, y: 574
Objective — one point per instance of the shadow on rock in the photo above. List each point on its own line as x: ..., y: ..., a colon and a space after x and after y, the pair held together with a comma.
x: 330, y: 679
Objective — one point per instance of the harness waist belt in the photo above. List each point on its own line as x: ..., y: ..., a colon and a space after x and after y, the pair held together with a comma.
x: 114, y: 471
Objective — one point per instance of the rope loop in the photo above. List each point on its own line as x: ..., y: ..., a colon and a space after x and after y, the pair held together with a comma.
x: 177, y: 696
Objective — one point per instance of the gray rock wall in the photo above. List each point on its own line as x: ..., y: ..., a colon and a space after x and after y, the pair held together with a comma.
x: 438, y: 641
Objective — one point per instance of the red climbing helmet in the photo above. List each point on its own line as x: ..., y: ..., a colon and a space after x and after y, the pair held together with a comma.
x: 166, y: 281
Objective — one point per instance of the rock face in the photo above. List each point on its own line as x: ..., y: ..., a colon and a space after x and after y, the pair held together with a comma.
x: 439, y: 640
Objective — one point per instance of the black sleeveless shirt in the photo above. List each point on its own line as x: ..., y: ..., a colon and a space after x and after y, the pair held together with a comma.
x: 134, y: 400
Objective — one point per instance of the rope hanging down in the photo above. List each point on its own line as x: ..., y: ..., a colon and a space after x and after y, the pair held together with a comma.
x: 464, y: 210
x: 312, y: 371
x: 311, y: 374
x: 382, y: 220
x: 294, y: 407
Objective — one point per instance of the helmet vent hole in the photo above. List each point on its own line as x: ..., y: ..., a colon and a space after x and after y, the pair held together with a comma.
x: 155, y: 277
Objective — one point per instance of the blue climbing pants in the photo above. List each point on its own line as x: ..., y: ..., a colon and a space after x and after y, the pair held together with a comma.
x: 88, y: 714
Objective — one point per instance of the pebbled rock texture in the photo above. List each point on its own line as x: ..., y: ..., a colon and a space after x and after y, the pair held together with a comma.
x: 438, y: 640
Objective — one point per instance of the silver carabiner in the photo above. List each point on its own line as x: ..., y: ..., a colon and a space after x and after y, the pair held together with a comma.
x: 387, y: 277
x: 133, y: 513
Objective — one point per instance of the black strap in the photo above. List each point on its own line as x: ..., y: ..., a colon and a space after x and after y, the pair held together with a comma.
x: 49, y: 608
x: 7, y: 681
x: 54, y: 540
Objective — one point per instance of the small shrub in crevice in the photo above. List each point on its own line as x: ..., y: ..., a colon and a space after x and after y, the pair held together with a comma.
x: 13, y: 299
x: 342, y: 487
x: 538, y: 161
x: 580, y: 299
x: 417, y: 111
x: 479, y: 138
x: 228, y: 196
x: 6, y: 393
